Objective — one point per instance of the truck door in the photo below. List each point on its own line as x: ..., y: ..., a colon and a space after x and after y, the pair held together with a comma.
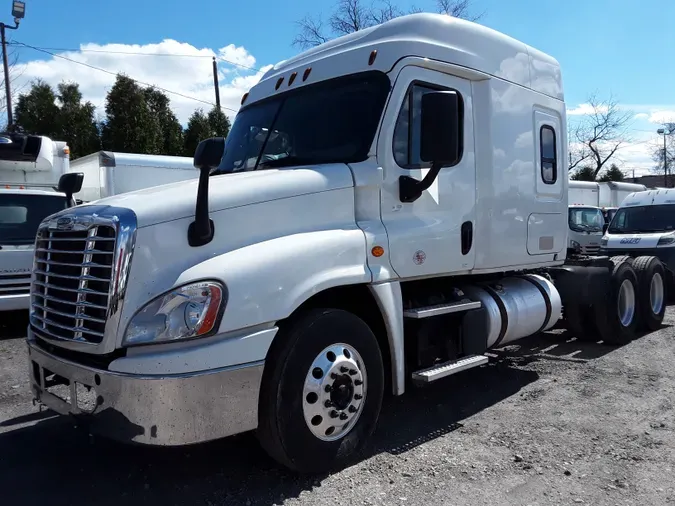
x: 436, y: 233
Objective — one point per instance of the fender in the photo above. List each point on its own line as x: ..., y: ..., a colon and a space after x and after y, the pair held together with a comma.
x: 269, y: 280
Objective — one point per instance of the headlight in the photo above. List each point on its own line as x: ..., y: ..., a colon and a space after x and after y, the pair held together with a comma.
x: 186, y: 312
x: 663, y: 241
x: 575, y: 245
x: 603, y: 241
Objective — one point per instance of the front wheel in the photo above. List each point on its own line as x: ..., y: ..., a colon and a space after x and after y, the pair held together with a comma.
x: 322, y: 391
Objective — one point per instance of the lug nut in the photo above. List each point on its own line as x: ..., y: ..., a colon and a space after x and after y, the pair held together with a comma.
x: 358, y: 383
x: 352, y: 409
x: 328, y: 404
x: 344, y: 368
x: 334, y: 414
x: 334, y: 375
x: 328, y: 388
x: 358, y: 397
x: 352, y: 372
x: 343, y: 416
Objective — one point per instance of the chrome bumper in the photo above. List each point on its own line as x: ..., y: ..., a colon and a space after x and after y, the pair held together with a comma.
x: 156, y: 410
x: 14, y: 302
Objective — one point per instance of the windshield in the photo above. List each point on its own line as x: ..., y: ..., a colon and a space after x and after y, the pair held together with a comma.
x: 643, y: 219
x: 333, y: 121
x: 20, y: 215
x: 586, y: 219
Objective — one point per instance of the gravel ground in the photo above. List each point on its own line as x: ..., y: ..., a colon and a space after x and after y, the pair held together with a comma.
x: 548, y: 421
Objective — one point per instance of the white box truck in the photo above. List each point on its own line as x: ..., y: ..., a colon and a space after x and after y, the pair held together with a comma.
x: 33, y: 185
x: 108, y: 173
x: 387, y: 207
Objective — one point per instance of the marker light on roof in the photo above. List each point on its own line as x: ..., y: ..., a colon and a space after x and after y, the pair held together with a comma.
x: 279, y: 81
x: 292, y: 78
x: 306, y: 74
x: 372, y: 57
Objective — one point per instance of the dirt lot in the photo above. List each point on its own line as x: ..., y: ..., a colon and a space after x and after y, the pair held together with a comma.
x: 548, y: 421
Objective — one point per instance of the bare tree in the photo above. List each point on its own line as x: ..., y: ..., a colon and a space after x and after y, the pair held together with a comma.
x: 598, y: 136
x: 353, y: 15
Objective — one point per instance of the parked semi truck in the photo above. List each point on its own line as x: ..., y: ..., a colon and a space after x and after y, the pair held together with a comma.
x: 387, y: 207
x: 34, y: 183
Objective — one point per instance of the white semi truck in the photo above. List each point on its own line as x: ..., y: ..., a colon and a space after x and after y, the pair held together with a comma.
x: 387, y: 207
x: 33, y: 185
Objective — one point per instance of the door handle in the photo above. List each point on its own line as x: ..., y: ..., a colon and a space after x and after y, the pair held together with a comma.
x: 467, y: 237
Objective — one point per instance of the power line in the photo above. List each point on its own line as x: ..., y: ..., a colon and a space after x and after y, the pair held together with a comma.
x: 135, y: 53
x: 116, y: 73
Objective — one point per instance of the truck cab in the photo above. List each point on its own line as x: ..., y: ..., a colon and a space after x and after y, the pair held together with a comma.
x: 33, y: 185
x: 585, y: 229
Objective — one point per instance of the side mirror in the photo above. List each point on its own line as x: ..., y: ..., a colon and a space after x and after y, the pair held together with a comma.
x: 441, y: 140
x: 207, y: 158
x: 209, y: 152
x: 70, y: 183
x: 605, y: 227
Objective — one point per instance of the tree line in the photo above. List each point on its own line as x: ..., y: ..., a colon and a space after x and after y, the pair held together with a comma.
x: 137, y: 120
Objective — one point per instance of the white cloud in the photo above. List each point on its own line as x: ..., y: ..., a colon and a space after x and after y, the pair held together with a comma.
x: 190, y: 75
x: 584, y: 109
x: 662, y: 116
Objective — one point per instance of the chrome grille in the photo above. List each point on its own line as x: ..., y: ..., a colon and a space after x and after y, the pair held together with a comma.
x: 14, y: 284
x: 72, y: 286
x: 590, y: 250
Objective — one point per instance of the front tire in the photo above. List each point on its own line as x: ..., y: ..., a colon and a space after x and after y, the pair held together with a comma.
x: 322, y: 391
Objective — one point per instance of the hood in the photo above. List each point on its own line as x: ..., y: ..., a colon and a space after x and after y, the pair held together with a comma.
x: 634, y: 241
x: 177, y: 200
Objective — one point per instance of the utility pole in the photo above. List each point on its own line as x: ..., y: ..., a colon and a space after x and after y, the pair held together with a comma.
x: 18, y: 11
x: 665, y: 132
x: 215, y: 82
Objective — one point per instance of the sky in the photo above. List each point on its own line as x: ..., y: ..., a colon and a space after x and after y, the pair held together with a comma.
x: 606, y: 47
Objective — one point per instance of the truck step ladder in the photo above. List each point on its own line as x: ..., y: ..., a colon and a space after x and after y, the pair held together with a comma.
x: 441, y: 309
x: 447, y: 368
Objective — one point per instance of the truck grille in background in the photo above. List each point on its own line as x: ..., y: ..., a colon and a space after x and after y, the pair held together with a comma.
x: 590, y: 250
x: 14, y: 284
x: 73, y: 274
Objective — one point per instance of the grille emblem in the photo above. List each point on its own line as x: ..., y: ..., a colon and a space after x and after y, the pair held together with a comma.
x: 65, y: 223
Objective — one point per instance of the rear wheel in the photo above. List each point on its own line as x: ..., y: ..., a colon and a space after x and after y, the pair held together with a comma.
x: 617, y: 318
x: 322, y: 391
x: 651, y: 291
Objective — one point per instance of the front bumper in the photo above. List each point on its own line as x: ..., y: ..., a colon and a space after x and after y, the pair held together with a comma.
x: 14, y: 302
x: 158, y: 410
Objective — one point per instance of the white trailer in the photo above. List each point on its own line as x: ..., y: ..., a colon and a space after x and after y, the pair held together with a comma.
x: 387, y: 206
x: 32, y: 170
x: 108, y: 173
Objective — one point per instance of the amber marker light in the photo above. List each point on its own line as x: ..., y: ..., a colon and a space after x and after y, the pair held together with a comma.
x: 377, y: 251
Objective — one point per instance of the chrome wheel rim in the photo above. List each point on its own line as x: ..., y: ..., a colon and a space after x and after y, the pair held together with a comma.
x: 334, y: 392
x: 656, y: 293
x: 626, y: 303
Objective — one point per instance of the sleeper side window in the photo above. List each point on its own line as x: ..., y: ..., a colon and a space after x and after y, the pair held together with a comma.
x: 406, y: 144
x: 548, y: 154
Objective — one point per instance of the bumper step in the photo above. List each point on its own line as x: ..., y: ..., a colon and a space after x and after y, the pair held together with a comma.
x: 441, y: 309
x: 447, y: 368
